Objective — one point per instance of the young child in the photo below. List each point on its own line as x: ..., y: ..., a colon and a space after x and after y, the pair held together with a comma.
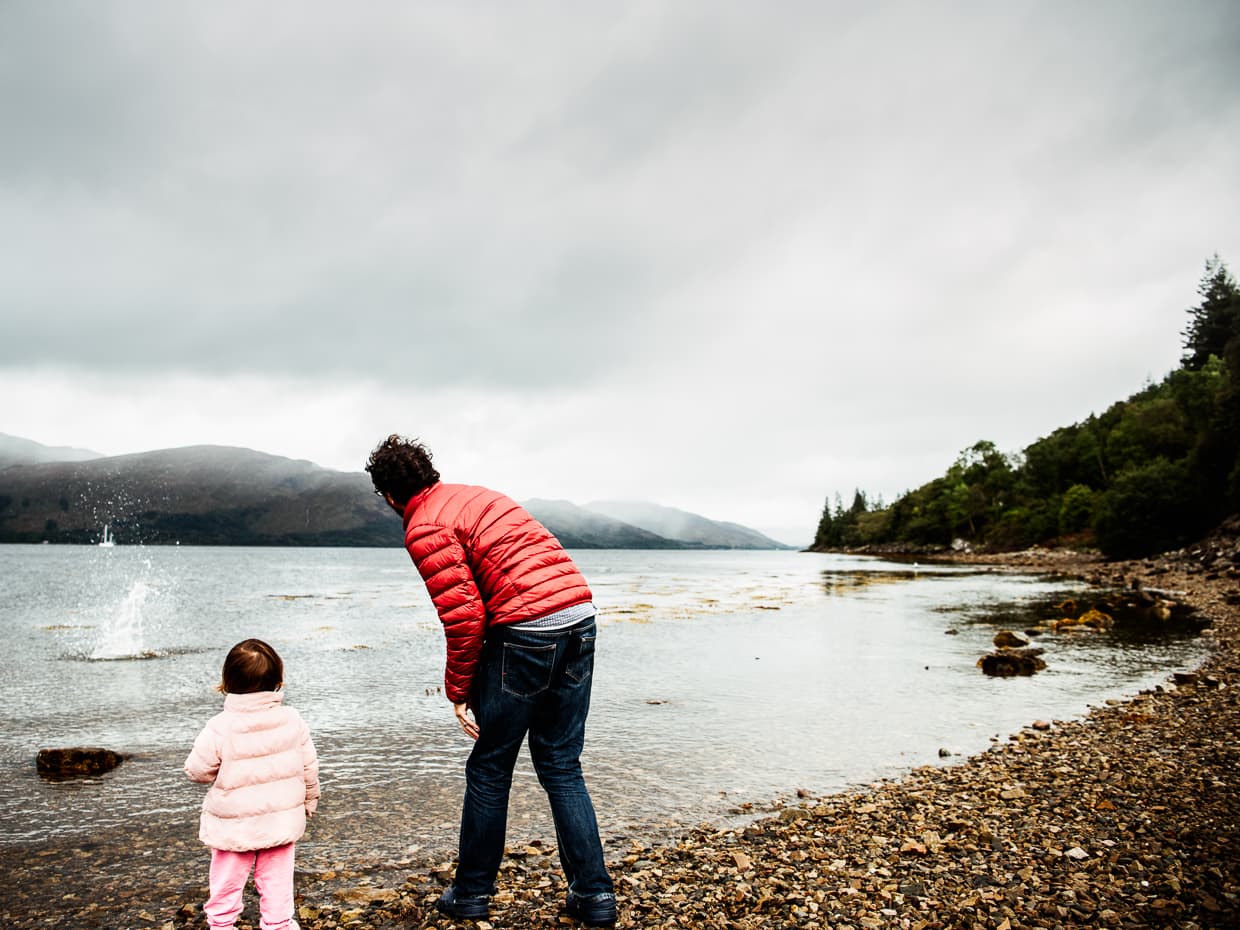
x: 264, y: 771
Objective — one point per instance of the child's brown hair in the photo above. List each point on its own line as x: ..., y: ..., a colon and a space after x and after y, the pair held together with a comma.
x: 252, y: 666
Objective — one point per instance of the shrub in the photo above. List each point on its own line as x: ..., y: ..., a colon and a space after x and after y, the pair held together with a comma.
x: 1076, y: 512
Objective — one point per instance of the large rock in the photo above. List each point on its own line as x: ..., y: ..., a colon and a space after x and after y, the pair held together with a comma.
x: 1008, y: 662
x: 76, y: 762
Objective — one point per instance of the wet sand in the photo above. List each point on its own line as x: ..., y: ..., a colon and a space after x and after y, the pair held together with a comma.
x: 1129, y: 817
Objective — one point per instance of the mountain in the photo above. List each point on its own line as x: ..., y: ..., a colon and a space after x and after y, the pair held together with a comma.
x: 220, y: 495
x: 199, y: 495
x: 578, y: 528
x: 685, y: 527
x: 17, y: 451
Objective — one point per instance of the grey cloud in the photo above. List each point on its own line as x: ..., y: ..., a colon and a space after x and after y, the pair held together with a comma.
x: 542, y: 192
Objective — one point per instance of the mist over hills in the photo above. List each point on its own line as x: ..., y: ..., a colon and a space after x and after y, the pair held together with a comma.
x: 221, y: 495
x: 17, y: 451
x: 684, y: 526
x: 578, y: 528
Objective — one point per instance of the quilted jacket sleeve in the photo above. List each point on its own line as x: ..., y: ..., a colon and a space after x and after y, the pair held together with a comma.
x: 440, y: 559
x: 203, y: 763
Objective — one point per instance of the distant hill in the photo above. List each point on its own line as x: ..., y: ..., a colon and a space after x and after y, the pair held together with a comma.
x: 685, y: 527
x: 220, y: 495
x: 17, y: 451
x: 199, y: 495
x: 578, y: 528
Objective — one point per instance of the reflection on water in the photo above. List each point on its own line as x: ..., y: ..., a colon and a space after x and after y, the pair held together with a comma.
x: 723, y: 679
x: 846, y: 580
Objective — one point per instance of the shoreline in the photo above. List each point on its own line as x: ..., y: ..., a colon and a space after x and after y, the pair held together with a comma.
x: 1127, y: 817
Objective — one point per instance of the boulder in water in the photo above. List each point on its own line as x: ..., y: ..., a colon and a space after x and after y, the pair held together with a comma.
x: 1007, y: 662
x: 76, y: 762
x: 1006, y: 639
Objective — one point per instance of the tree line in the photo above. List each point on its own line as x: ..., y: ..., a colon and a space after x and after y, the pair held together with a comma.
x: 1149, y: 474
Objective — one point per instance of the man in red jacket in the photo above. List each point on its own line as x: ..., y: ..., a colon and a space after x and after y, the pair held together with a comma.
x: 519, y: 622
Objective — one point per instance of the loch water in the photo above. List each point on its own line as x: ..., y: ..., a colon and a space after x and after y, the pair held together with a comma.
x: 722, y: 680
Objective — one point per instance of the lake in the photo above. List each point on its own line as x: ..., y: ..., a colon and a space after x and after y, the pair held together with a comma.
x: 722, y: 679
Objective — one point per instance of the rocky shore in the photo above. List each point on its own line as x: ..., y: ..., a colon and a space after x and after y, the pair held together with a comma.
x: 1128, y: 818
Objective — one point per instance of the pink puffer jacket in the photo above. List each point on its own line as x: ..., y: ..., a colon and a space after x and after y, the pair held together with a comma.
x: 485, y: 561
x: 265, y: 771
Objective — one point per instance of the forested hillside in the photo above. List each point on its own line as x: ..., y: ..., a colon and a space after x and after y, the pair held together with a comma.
x: 1149, y: 474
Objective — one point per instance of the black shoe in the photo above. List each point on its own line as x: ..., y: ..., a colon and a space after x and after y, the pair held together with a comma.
x: 473, y: 907
x: 593, y: 910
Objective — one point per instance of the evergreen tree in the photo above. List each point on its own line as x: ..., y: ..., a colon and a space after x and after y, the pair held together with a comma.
x: 826, y: 525
x: 1215, y: 321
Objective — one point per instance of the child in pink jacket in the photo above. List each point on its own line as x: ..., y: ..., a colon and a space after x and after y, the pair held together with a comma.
x: 264, y: 774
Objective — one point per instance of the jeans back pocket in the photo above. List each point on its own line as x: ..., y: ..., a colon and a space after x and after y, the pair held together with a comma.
x: 526, y: 670
x: 580, y: 665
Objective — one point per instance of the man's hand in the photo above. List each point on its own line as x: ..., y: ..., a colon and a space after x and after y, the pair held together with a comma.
x: 467, y: 723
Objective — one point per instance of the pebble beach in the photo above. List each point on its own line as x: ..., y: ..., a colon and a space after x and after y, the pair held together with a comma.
x: 1126, y: 818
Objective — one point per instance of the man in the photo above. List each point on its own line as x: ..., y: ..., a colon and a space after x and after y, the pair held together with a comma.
x: 520, y: 627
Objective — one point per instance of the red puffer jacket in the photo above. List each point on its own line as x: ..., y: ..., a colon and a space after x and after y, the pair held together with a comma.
x: 485, y: 561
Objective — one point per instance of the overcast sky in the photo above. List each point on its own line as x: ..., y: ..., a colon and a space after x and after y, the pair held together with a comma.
x: 728, y: 257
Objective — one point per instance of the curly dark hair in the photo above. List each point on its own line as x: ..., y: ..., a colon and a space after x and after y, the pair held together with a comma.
x: 251, y: 666
x: 401, y: 467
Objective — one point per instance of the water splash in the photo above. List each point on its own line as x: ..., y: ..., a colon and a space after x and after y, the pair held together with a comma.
x: 122, y: 633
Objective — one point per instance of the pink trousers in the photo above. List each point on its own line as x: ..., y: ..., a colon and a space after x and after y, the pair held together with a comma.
x: 273, y: 877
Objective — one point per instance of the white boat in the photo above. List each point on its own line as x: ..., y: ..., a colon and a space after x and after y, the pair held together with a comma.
x: 107, y: 537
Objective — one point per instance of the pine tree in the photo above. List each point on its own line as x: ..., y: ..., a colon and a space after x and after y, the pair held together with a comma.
x: 1216, y: 320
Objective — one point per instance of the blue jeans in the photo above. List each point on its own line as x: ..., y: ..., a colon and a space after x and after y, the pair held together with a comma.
x: 537, y: 683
